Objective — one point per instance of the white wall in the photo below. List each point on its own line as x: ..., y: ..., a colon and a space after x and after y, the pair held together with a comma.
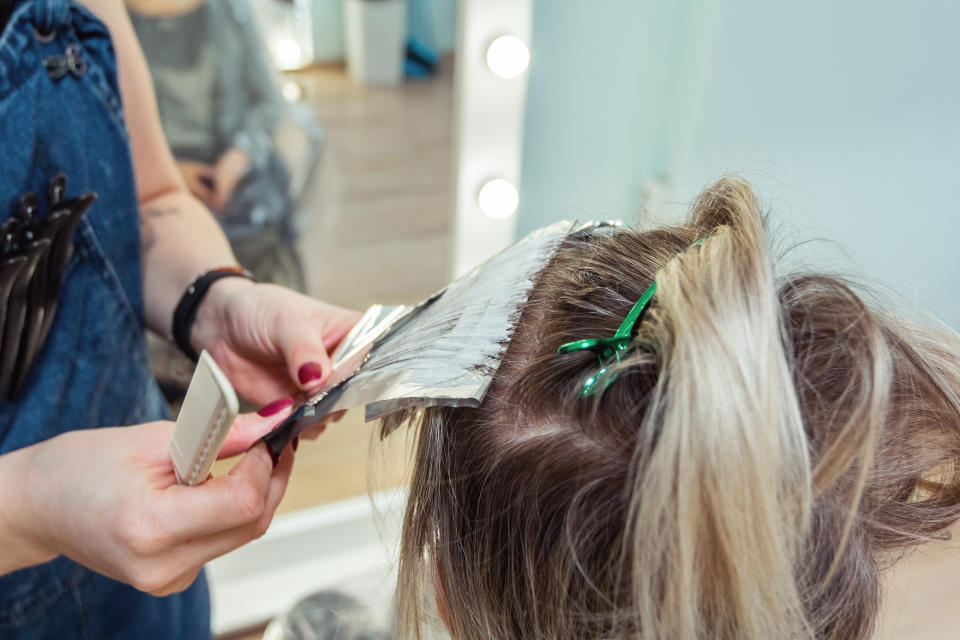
x: 845, y: 115
x: 850, y: 115
x: 601, y: 84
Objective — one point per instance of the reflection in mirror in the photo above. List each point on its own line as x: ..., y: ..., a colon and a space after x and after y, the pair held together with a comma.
x: 225, y: 119
x: 319, y: 134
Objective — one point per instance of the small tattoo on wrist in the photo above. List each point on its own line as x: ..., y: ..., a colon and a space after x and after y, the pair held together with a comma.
x: 160, y: 212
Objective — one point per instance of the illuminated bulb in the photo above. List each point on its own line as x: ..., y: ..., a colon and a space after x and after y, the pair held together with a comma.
x: 292, y: 91
x: 288, y: 53
x: 498, y: 199
x: 508, y: 56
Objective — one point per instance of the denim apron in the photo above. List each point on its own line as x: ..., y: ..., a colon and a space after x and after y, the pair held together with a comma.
x: 93, y: 369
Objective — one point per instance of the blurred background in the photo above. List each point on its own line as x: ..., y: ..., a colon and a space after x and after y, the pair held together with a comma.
x: 366, y: 151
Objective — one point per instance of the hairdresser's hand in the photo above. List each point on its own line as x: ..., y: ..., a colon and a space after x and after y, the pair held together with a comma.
x: 270, y: 341
x: 231, y: 166
x: 200, y: 178
x: 108, y: 499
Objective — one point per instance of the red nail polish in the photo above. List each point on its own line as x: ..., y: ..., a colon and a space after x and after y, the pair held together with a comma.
x: 296, y: 443
x: 275, y: 407
x: 310, y: 372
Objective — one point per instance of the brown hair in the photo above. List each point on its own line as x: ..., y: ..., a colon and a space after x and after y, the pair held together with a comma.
x: 774, y: 443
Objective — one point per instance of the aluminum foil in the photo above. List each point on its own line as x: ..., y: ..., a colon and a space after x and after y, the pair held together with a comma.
x: 443, y: 351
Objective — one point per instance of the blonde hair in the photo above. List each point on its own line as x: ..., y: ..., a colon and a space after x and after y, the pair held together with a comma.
x: 757, y: 461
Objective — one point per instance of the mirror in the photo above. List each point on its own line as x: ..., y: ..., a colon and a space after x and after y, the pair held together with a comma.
x: 320, y: 135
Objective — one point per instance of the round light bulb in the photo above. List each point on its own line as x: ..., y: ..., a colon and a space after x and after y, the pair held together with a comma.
x: 508, y: 56
x: 288, y: 53
x: 291, y: 90
x: 498, y: 199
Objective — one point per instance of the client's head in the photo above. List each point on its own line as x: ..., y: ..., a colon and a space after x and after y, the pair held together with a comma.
x: 745, y: 471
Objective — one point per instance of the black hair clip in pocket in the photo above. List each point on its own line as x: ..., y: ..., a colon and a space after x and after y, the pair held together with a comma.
x: 33, y: 260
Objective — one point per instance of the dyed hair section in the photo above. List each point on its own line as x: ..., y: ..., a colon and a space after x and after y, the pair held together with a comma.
x: 774, y: 444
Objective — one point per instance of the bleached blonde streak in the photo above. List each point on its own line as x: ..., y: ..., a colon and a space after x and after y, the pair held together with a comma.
x: 768, y: 446
x: 721, y: 495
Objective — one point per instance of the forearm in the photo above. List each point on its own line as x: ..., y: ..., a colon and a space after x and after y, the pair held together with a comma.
x: 20, y: 538
x: 180, y: 239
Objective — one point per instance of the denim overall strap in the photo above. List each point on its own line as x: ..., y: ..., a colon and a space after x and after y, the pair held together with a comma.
x: 50, y: 15
x: 60, y: 112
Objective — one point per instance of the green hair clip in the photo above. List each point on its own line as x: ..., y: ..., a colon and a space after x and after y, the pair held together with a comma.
x: 615, y: 346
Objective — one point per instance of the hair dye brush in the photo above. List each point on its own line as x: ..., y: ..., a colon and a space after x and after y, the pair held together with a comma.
x: 441, y: 352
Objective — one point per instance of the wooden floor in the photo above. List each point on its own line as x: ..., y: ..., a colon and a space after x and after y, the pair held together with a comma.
x: 381, y: 233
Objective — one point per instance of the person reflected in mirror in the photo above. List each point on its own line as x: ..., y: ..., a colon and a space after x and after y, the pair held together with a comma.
x: 220, y: 107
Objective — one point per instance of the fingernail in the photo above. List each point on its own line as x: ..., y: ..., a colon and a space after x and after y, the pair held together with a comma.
x: 275, y: 407
x: 296, y: 443
x: 310, y: 372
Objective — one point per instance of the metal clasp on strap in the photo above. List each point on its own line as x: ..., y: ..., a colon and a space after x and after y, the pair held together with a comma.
x: 70, y: 61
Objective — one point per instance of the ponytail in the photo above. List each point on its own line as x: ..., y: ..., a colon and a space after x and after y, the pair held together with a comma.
x: 721, y: 496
